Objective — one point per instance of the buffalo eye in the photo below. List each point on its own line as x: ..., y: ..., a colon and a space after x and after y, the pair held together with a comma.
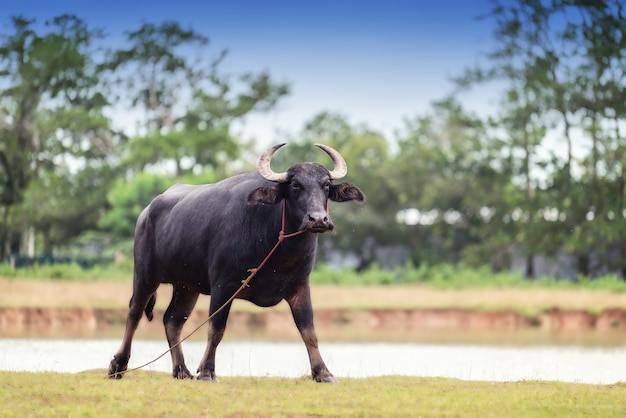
x: 296, y: 186
x: 327, y: 186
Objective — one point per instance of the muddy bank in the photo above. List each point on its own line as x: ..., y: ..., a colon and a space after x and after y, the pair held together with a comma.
x: 342, y: 323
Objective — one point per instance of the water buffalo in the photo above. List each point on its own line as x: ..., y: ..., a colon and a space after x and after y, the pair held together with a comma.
x: 205, y: 238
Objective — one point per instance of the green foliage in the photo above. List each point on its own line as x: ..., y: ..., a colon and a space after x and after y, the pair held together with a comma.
x: 121, y: 271
x: 456, y: 190
x: 564, y: 78
x: 128, y: 199
x: 56, y: 140
x: 58, y: 152
x: 452, y: 162
x: 441, y: 276
x: 194, y: 135
x: 447, y: 276
x: 157, y: 394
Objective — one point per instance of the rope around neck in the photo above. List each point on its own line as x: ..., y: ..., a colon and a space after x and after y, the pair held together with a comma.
x: 244, y: 284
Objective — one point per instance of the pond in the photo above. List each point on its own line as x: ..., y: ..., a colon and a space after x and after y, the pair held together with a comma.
x: 567, y: 363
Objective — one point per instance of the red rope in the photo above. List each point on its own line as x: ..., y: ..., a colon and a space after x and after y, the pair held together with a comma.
x: 281, y: 238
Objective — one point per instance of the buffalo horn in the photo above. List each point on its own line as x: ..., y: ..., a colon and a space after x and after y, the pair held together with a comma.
x: 341, y: 168
x: 266, y: 170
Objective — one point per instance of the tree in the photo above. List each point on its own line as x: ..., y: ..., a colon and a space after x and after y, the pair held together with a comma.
x: 52, y: 125
x: 128, y: 199
x: 563, y: 66
x: 600, y: 34
x: 449, y: 186
x: 188, y: 105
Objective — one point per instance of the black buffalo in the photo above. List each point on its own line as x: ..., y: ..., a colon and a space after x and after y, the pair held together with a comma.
x: 204, y: 239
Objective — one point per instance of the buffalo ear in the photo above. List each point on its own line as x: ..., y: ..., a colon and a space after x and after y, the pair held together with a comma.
x: 346, y: 191
x: 264, y: 195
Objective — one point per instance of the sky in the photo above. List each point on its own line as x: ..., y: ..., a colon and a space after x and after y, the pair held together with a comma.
x: 376, y: 62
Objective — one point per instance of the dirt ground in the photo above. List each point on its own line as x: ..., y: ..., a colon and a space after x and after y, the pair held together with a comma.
x: 96, y: 309
x: 71, y: 294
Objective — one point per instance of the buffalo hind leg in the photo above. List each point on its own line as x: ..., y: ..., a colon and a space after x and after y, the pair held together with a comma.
x: 302, y: 311
x: 138, y: 302
x: 181, y: 305
x: 217, y: 325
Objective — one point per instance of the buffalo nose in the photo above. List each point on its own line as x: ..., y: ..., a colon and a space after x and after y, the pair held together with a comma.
x: 318, y: 217
x: 319, y: 222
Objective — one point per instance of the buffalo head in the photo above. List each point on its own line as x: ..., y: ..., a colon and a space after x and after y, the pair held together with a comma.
x: 306, y: 188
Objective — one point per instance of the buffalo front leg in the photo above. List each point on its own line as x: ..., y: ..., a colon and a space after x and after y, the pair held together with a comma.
x: 217, y: 325
x: 300, y: 304
x: 183, y: 302
x: 138, y: 303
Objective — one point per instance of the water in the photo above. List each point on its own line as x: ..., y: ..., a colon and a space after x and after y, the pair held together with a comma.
x: 256, y: 358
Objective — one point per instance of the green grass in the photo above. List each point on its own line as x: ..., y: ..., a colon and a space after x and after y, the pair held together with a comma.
x: 153, y: 394
x: 120, y: 271
x: 443, y: 276
x: 446, y: 276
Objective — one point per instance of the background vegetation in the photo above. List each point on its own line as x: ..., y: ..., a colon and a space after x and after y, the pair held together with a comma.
x: 543, y: 177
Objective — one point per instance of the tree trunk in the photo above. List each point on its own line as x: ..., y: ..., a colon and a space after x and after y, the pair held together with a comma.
x: 623, y: 260
x: 47, y: 243
x: 583, y: 265
x: 28, y: 242
x: 366, y: 255
x: 621, y: 184
x: 530, y: 267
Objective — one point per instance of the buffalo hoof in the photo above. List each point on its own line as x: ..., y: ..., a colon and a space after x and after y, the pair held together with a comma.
x: 325, y: 378
x: 208, y: 379
x: 207, y: 376
x: 117, y: 368
x: 181, y: 372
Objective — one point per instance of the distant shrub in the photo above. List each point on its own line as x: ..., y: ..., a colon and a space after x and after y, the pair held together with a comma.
x: 442, y: 276
x: 119, y: 271
x: 446, y: 276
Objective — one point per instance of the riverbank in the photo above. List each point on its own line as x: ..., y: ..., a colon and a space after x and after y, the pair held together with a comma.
x: 404, y: 312
x: 332, y: 324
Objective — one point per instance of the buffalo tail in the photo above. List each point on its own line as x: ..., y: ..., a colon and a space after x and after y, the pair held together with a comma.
x: 150, y: 307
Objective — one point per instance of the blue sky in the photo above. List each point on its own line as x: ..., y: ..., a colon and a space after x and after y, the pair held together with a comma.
x: 376, y: 62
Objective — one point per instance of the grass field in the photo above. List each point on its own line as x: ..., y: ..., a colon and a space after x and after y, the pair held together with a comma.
x: 153, y: 394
